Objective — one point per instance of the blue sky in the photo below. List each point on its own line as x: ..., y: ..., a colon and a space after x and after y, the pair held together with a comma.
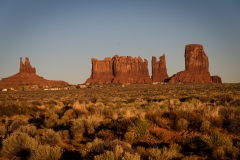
x: 61, y: 36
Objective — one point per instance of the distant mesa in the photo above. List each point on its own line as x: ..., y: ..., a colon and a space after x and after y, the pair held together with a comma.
x: 196, y: 67
x: 27, y: 76
x: 216, y: 79
x: 119, y: 69
x: 125, y: 69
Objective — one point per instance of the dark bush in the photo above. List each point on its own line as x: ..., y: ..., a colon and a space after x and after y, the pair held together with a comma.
x: 192, y: 144
x: 223, y: 99
x: 216, y: 121
x: 234, y: 126
x: 51, y: 102
x: 12, y: 109
x: 36, y: 103
x: 235, y: 103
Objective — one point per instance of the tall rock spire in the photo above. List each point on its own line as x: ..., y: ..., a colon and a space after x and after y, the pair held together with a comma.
x: 196, y: 67
x: 159, y: 69
x: 26, y: 67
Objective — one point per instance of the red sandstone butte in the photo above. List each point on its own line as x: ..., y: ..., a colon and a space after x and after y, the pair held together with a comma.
x: 196, y: 66
x: 159, y: 69
x: 119, y: 69
x: 27, y: 76
x: 130, y: 70
x: 101, y: 71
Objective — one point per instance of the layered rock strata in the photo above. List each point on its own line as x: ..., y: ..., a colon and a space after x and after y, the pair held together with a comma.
x: 27, y: 76
x: 159, y: 69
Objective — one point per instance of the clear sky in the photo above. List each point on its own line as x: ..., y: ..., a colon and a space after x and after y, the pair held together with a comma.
x: 61, y: 36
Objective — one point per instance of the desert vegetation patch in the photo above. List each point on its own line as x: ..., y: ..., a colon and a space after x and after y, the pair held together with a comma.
x: 147, y: 122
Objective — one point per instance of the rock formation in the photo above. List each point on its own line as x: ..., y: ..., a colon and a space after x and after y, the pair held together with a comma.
x: 26, y: 67
x: 196, y: 66
x: 119, y: 69
x: 159, y: 69
x: 130, y: 70
x: 102, y: 71
x: 27, y: 76
x: 216, y: 79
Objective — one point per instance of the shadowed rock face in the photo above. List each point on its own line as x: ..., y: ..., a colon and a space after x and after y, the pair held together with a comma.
x: 216, y: 79
x: 159, y: 69
x: 119, y: 69
x: 196, y: 66
x: 27, y: 76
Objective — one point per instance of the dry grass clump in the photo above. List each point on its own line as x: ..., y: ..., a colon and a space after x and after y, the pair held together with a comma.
x: 182, y: 124
x: 117, y: 153
x: 164, y: 153
x: 16, y: 124
x: 140, y: 128
x: 85, y: 125
x: 18, y: 144
x: 205, y: 126
x: 46, y: 152
x: 50, y: 137
x: 31, y: 130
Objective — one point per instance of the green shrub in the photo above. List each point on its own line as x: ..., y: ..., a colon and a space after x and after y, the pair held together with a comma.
x: 18, y: 144
x: 216, y: 139
x: 140, y: 128
x: 182, y: 124
x: 46, y: 152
